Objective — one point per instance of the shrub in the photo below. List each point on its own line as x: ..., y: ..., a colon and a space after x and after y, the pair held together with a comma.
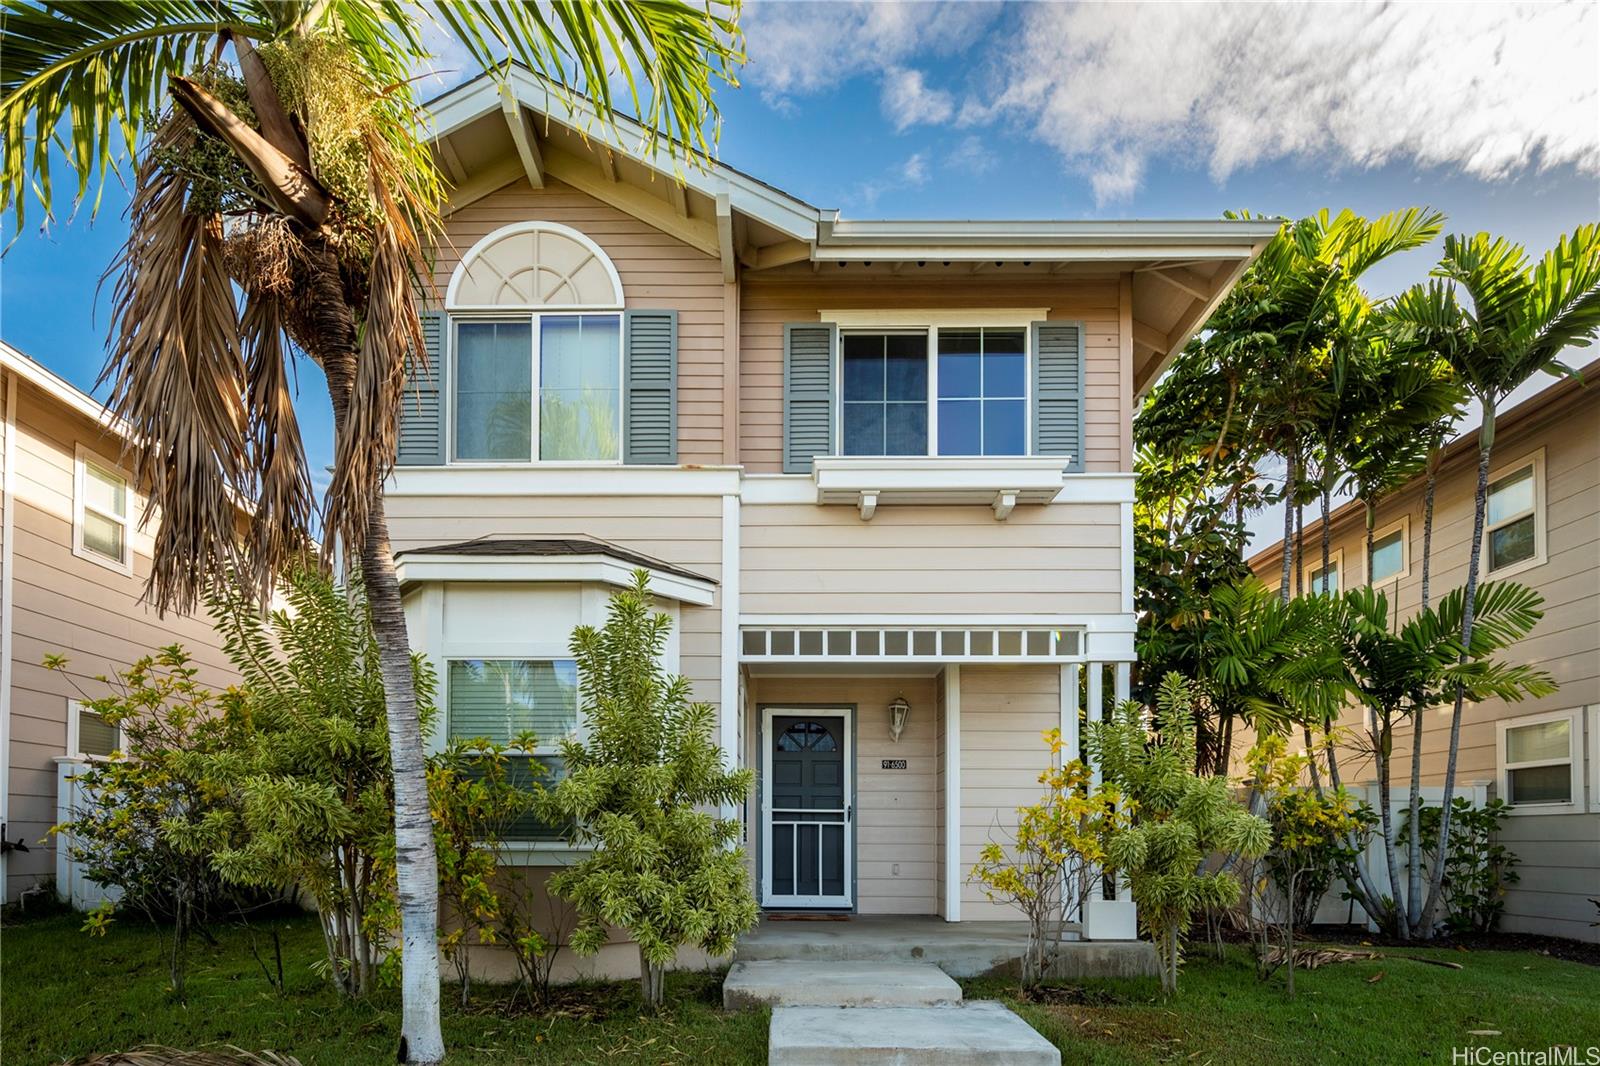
x: 1179, y: 819
x: 639, y: 794
x: 1054, y: 856
x: 1477, y: 870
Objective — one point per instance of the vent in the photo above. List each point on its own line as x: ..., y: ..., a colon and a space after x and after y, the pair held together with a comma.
x: 909, y: 644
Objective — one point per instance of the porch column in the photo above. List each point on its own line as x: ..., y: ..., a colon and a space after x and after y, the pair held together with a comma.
x: 952, y: 793
x: 730, y: 707
x: 1096, y: 695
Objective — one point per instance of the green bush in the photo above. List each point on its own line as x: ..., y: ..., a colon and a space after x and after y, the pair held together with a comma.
x: 1477, y: 870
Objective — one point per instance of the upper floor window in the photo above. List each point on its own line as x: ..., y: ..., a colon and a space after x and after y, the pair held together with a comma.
x: 1320, y: 581
x: 1512, y: 534
x: 545, y: 387
x: 959, y: 391
x: 1389, y: 553
x: 102, y: 504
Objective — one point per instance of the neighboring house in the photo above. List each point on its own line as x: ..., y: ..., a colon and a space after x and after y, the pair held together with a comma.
x: 73, y: 563
x: 1542, y: 530
x: 880, y: 472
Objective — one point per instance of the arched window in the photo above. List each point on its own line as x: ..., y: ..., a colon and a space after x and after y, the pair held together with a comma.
x: 535, y: 349
x: 534, y: 266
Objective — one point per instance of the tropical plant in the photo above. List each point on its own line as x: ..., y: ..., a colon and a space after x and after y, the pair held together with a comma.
x: 1401, y: 672
x: 308, y: 763
x: 1496, y: 320
x: 1478, y: 867
x: 475, y: 793
x: 640, y: 794
x: 288, y: 202
x: 141, y: 825
x: 1179, y: 819
x: 1054, y: 857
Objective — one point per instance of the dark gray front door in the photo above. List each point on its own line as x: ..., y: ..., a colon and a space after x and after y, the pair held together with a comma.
x: 808, y: 810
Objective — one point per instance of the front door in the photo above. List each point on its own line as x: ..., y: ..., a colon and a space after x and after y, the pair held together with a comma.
x: 807, y: 843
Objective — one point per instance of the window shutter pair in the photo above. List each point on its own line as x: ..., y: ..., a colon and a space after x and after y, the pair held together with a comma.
x: 809, y: 391
x: 649, y: 393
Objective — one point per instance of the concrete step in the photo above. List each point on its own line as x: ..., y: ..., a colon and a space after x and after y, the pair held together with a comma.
x: 837, y: 984
x: 967, y: 1034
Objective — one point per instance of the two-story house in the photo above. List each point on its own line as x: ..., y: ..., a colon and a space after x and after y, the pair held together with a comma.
x: 1542, y: 530
x: 879, y: 471
x: 74, y: 558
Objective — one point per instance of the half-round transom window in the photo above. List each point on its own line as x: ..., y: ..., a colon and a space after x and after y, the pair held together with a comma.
x: 807, y: 736
x: 534, y: 266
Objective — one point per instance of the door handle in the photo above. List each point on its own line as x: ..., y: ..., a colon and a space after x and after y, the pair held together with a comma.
x: 849, y: 812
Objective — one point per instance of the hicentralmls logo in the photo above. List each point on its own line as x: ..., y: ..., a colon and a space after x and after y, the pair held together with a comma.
x: 1552, y: 1056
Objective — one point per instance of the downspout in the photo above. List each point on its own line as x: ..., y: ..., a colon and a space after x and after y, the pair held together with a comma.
x: 8, y: 527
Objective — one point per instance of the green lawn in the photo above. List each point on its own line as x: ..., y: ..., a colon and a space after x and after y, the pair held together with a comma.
x: 63, y: 994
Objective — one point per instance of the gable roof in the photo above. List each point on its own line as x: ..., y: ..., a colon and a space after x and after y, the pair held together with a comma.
x: 490, y: 132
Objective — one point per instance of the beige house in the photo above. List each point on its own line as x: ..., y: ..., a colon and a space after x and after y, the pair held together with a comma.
x: 880, y: 472
x: 1543, y: 530
x: 73, y: 563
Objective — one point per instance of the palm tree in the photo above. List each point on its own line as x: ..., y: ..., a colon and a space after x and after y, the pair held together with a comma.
x: 1497, y: 321
x: 285, y: 201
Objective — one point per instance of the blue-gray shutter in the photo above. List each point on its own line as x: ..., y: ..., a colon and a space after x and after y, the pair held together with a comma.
x: 422, y: 405
x: 1058, y: 391
x: 650, y: 387
x: 808, y: 387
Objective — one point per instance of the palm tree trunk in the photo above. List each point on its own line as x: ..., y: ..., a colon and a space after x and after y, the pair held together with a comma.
x: 1479, y: 504
x: 1419, y: 719
x: 416, y: 864
x: 1326, y: 532
x: 1288, y: 527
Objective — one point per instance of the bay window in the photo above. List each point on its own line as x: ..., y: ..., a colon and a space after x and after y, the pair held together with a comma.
x: 541, y: 387
x: 501, y: 700
x: 949, y: 391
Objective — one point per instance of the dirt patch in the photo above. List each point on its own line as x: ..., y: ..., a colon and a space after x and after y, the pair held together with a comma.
x: 1071, y: 996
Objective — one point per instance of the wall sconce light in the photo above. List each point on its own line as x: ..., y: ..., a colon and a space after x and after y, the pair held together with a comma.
x: 897, y: 717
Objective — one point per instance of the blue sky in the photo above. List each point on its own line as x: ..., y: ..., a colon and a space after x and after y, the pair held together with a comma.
x: 1490, y: 113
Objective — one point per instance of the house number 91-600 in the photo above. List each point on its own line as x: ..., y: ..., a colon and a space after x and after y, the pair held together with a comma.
x: 894, y: 764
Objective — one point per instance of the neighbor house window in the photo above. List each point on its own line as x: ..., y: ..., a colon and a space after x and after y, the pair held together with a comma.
x: 1389, y: 554
x: 957, y: 391
x: 102, y: 505
x: 1512, y: 528
x: 1320, y: 581
x: 88, y: 734
x: 544, y: 387
x: 1539, y: 760
x: 499, y: 700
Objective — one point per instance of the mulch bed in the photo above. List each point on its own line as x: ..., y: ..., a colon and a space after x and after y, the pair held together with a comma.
x: 1072, y: 996
x: 1554, y: 946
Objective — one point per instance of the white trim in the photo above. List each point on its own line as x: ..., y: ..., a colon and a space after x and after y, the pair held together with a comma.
x: 42, y: 378
x: 1126, y: 551
x: 1093, y: 488
x: 1018, y: 318
x: 1594, y: 758
x: 952, y: 793
x: 74, y: 750
x: 730, y: 706
x: 1089, y: 622
x: 8, y: 541
x: 1403, y: 525
x: 82, y: 458
x: 848, y: 757
x: 1095, y: 711
x: 937, y: 479
x: 581, y: 569
x: 1575, y: 747
x: 512, y: 230
x: 1541, y: 518
x: 1313, y: 565
x: 541, y: 479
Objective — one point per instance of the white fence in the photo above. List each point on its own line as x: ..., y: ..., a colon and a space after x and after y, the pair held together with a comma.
x: 72, y: 885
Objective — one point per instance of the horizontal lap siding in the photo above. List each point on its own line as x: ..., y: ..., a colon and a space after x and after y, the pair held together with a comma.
x: 683, y: 530
x: 896, y: 810
x: 806, y: 559
x: 1566, y: 642
x: 1004, y: 714
x: 64, y: 605
x: 658, y: 272
x: 768, y: 302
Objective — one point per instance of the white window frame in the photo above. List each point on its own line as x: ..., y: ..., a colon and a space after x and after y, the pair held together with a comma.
x: 82, y: 458
x: 1313, y: 564
x: 929, y: 327
x: 1403, y: 526
x: 1594, y: 758
x: 533, y: 319
x: 1573, y: 716
x: 75, y: 707
x: 524, y: 852
x: 1540, y: 517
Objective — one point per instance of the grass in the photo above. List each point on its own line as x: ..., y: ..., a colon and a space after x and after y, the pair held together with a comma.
x: 67, y: 995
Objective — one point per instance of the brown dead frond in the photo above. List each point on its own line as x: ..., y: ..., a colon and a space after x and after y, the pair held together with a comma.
x: 155, y: 1055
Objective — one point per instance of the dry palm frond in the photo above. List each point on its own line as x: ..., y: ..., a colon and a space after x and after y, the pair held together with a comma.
x: 176, y: 366
x: 155, y: 1055
x: 1315, y: 958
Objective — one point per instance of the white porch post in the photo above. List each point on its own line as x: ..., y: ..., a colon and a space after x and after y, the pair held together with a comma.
x: 1108, y: 919
x: 1123, y: 688
x: 731, y: 706
x: 1097, y: 674
x: 952, y: 793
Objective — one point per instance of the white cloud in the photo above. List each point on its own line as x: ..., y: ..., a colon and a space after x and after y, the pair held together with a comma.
x: 1488, y: 89
x: 907, y: 100
x: 910, y: 174
x: 914, y: 171
x: 973, y: 155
